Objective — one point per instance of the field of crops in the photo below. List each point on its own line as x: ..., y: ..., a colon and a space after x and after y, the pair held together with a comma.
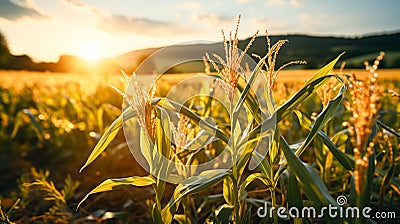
x: 50, y: 123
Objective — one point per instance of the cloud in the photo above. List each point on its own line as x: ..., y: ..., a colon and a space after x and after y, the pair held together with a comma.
x: 123, y: 25
x: 16, y: 10
x: 209, y: 18
x: 81, y: 6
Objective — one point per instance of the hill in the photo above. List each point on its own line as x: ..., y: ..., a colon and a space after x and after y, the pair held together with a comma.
x: 316, y: 50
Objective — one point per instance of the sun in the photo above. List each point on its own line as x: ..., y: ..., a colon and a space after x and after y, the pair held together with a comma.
x: 90, y: 51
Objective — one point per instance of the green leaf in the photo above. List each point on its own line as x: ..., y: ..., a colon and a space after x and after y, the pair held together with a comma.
x: 34, y: 122
x: 264, y: 165
x: 269, y: 99
x: 224, y: 213
x: 322, y: 119
x: 163, y: 133
x: 249, y: 142
x: 201, y: 140
x: 118, y: 183
x: 182, y: 219
x: 156, y: 215
x: 246, y: 91
x: 108, y: 109
x: 342, y: 157
x: 252, y: 177
x: 236, y: 134
x: 346, y: 161
x: 325, y: 70
x: 294, y: 196
x: 387, y: 128
x: 367, y: 193
x: 308, y: 179
x: 204, y: 180
x: 227, y: 187
x: 393, y: 182
x: 274, y: 152
x: 245, y: 152
x: 311, y: 85
x: 198, y: 120
x: 163, y: 146
x: 261, y: 130
x: 147, y: 148
x: 305, y: 122
x: 385, y: 180
x: 108, y: 136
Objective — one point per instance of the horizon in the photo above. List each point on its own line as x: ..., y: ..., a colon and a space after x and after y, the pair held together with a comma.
x: 99, y: 29
x: 275, y: 35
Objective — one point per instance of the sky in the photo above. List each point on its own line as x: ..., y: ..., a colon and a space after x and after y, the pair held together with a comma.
x: 46, y: 29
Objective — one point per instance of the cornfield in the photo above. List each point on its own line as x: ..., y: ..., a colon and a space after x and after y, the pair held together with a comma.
x: 330, y: 142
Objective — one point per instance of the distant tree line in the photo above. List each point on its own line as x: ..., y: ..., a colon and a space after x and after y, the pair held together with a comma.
x: 315, y: 50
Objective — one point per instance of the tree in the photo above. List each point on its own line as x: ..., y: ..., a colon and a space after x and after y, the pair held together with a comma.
x: 4, y: 50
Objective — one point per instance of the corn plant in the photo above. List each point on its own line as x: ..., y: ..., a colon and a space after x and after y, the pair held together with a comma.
x: 5, y: 216
x: 161, y: 142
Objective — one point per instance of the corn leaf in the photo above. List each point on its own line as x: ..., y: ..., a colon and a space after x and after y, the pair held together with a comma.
x: 252, y: 177
x: 201, y: 140
x: 204, y: 180
x: 321, y: 120
x: 246, y: 91
x: 263, y: 164
x: 148, y: 149
x: 345, y: 160
x: 309, y: 87
x: 305, y: 122
x: 118, y: 183
x: 308, y: 179
x: 108, y: 136
x: 262, y: 130
x: 245, y: 152
x: 156, y: 215
x: 163, y: 133
x: 182, y: 219
x: 385, y: 181
x: 366, y: 195
x: 163, y: 145
x: 19, y: 121
x: 223, y: 213
x: 274, y: 152
x: 387, y: 128
x: 227, y: 187
x: 294, y: 196
x: 202, y: 123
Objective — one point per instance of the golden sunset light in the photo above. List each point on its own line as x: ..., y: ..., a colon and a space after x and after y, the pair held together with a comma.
x: 212, y: 111
x: 90, y: 51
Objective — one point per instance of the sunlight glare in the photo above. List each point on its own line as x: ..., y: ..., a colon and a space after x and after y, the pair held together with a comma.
x: 90, y: 51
